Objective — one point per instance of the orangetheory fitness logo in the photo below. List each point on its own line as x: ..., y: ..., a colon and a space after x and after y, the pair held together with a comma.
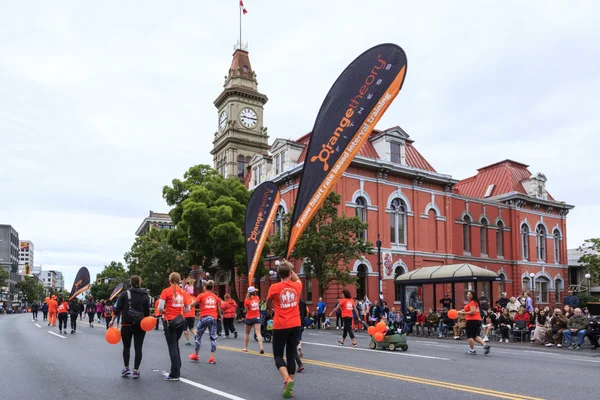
x: 327, y: 149
x: 254, y: 235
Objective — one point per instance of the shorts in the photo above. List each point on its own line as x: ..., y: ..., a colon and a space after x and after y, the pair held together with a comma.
x: 252, y: 321
x: 190, y: 322
x: 472, y: 329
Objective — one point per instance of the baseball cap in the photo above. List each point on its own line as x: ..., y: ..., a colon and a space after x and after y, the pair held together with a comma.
x: 251, y: 289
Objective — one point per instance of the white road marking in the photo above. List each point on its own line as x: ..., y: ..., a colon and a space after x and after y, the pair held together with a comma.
x: 207, y: 388
x: 380, y: 352
x: 56, y: 334
x: 37, y: 325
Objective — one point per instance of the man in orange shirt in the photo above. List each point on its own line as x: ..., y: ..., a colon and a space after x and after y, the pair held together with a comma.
x: 284, y: 296
x: 52, y: 309
x: 210, y: 308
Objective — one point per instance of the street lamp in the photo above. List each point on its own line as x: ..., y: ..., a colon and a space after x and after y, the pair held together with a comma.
x: 588, y: 276
x: 275, y: 271
x: 532, y: 276
x: 378, y: 244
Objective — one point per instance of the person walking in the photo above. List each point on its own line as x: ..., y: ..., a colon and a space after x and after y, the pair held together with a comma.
x: 45, y: 311
x: 229, y: 308
x: 284, y: 297
x: 132, y: 305
x: 81, y: 310
x: 252, y: 309
x: 348, y: 307
x: 472, y: 314
x: 190, y: 318
x: 171, y: 307
x: 210, y: 308
x: 90, y: 310
x: 52, y: 309
x: 109, y: 312
x: 62, y: 309
x: 34, y: 311
x: 74, y: 312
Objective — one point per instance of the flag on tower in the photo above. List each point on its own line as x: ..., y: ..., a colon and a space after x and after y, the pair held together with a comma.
x: 244, y: 11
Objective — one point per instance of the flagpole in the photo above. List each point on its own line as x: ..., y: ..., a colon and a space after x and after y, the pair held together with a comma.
x: 240, y: 27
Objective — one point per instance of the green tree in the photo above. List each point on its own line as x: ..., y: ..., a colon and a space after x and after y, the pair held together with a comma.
x: 4, y: 277
x: 209, y: 213
x: 31, y: 289
x: 153, y: 258
x: 591, y: 258
x: 59, y: 293
x: 329, y: 244
x: 112, y: 274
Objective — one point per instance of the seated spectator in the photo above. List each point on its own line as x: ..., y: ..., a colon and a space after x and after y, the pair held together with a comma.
x: 568, y: 311
x: 395, y: 317
x: 461, y: 323
x: 521, y: 315
x: 576, y: 325
x: 532, y: 322
x: 433, y: 320
x: 505, y: 324
x: 420, y: 323
x: 542, y: 323
x: 586, y: 313
x: 594, y: 331
x: 490, y: 321
x: 445, y: 322
x: 410, y: 318
x: 513, y: 307
x: 558, y: 323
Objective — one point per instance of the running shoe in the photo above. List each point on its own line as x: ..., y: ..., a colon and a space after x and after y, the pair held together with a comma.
x: 168, y: 378
x: 486, y: 349
x: 288, y: 386
x: 262, y: 351
x: 559, y: 345
x: 578, y: 347
x: 125, y: 372
x: 341, y: 343
x: 235, y: 335
x: 188, y: 343
x: 354, y: 345
x: 194, y: 357
x: 300, y: 369
x: 300, y: 353
x: 136, y: 374
x: 212, y: 360
x: 471, y: 352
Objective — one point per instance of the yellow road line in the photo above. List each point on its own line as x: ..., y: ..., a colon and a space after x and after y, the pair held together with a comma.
x: 413, y: 379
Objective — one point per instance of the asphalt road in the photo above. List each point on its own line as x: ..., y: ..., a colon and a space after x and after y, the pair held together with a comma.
x: 40, y: 364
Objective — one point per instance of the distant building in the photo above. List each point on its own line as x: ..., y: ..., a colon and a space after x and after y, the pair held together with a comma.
x: 578, y: 282
x: 60, y: 282
x: 48, y: 279
x: 9, y: 260
x: 25, y: 257
x: 154, y: 221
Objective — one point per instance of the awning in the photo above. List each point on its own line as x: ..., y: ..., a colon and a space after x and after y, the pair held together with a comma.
x: 447, y: 274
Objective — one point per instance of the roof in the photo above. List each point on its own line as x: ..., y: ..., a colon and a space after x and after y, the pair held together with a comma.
x: 448, y: 274
x: 506, y: 176
x: 240, y: 64
x: 573, y: 255
x: 153, y: 218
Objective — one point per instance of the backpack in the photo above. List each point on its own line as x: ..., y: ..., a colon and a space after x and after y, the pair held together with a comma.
x: 108, y: 311
x: 135, y: 315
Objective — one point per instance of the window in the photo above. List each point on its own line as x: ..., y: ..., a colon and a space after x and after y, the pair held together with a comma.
x: 361, y: 213
x: 541, y: 289
x: 278, y: 223
x: 467, y: 234
x: 541, y: 242
x: 483, y: 237
x: 397, y: 294
x: 255, y: 176
x: 499, y: 239
x: 558, y: 287
x: 395, y: 151
x: 309, y: 293
x: 556, y: 237
x: 526, y: 283
x: 282, y: 160
x: 398, y: 222
x: 525, y: 241
x: 361, y: 283
x: 260, y: 173
x: 241, y: 166
x: 501, y: 286
x: 277, y: 170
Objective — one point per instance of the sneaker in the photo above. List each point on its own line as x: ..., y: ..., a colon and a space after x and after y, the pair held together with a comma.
x: 288, y: 386
x: 212, y: 360
x: 194, y: 357
x: 125, y: 372
x: 235, y: 335
x: 571, y: 347
x: 549, y: 345
x: 72, y: 331
x: 262, y: 351
x: 486, y: 339
x: 471, y: 352
x: 341, y: 343
x: 188, y: 343
x: 136, y: 374
x: 168, y: 378
x: 486, y: 349
x: 354, y: 345
x: 300, y: 353
x: 337, y: 327
x: 559, y: 345
x: 578, y: 347
x: 300, y: 369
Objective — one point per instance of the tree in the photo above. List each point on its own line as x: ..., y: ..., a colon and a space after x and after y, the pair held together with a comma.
x: 31, y: 289
x: 591, y: 258
x: 4, y: 277
x: 59, y: 293
x: 153, y: 258
x: 112, y: 274
x: 209, y: 213
x: 330, y: 242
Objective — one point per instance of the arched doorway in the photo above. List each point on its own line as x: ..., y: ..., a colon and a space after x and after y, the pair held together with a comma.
x: 361, y: 283
x: 397, y: 292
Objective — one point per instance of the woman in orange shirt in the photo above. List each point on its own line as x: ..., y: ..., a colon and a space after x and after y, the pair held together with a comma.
x: 171, y: 306
x: 190, y: 318
x: 62, y: 310
x: 285, y: 296
x: 252, y: 308
x: 210, y: 308
x: 473, y: 317
x: 229, y: 307
x: 348, y: 307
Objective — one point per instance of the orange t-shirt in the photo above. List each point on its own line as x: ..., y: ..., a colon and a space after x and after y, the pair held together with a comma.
x: 174, y: 302
x: 189, y: 299
x: 52, y: 305
x: 346, y: 305
x: 285, y: 297
x: 252, y: 306
x: 156, y: 312
x: 473, y: 317
x: 208, y: 304
x: 63, y: 308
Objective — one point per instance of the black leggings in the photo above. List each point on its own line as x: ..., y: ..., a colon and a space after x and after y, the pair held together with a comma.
x: 62, y: 320
x: 286, y: 339
x: 127, y: 333
x: 228, y: 326
x: 74, y: 321
x: 45, y: 315
x: 91, y: 316
x: 347, y: 328
x: 107, y: 320
x: 34, y: 314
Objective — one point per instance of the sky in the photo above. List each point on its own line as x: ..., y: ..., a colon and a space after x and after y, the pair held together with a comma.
x: 104, y: 103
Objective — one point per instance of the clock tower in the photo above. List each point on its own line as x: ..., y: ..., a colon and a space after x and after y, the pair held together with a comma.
x: 240, y: 132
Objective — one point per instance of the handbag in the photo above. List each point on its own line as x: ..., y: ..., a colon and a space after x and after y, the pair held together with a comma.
x: 178, y: 321
x: 135, y: 315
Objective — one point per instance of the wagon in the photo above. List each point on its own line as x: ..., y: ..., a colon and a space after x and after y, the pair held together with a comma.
x: 390, y: 342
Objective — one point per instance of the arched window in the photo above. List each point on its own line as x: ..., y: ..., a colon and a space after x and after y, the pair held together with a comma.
x: 558, y: 287
x: 483, y: 237
x: 278, y: 223
x: 398, y: 222
x: 542, y: 284
x: 500, y: 239
x: 241, y: 166
x: 526, y: 282
x: 556, y: 238
x: 361, y: 213
x: 467, y: 234
x: 501, y: 283
x: 541, y: 242
x: 361, y: 284
x: 397, y: 294
x: 525, y: 241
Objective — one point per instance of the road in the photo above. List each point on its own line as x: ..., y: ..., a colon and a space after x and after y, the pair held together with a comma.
x: 40, y: 364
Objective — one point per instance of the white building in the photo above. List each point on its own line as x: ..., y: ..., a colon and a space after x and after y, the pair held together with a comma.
x: 577, y: 272
x: 60, y: 282
x: 25, y: 257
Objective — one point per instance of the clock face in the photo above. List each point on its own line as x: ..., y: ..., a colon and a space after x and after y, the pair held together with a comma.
x: 248, y: 118
x: 223, y: 120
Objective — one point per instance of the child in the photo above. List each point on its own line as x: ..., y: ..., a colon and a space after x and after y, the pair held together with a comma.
x: 326, y: 324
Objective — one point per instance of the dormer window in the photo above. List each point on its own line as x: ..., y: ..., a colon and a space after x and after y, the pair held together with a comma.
x: 395, y: 152
x: 279, y: 162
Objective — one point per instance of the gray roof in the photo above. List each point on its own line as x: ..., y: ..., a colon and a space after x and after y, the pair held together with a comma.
x: 448, y: 273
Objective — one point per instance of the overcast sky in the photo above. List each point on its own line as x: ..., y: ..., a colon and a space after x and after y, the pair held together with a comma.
x: 103, y: 103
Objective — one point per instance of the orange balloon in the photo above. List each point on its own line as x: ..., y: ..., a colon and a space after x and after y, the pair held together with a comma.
x: 113, y: 335
x: 372, y: 330
x: 452, y: 314
x: 378, y: 337
x: 381, y: 327
x: 148, y: 323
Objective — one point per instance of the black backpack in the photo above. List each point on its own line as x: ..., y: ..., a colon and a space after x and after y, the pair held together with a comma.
x: 135, y: 315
